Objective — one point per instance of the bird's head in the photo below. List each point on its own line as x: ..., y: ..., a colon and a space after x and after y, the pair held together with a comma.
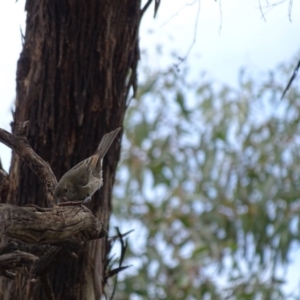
x: 64, y: 191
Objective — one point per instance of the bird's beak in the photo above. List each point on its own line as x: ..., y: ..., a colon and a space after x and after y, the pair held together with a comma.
x: 61, y: 199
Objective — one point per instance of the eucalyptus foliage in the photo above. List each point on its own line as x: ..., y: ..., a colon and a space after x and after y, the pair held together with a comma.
x: 209, y: 180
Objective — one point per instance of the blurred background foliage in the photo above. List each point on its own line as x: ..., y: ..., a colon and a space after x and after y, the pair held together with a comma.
x: 209, y: 181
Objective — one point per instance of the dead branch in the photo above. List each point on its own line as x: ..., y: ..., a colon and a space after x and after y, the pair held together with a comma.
x: 109, y: 271
x: 19, y: 144
x: 53, y: 225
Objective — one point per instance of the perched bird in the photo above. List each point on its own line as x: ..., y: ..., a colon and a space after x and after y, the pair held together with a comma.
x: 84, y: 179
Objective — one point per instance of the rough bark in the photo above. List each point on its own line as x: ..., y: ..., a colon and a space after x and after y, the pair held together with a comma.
x: 77, y: 65
x: 49, y: 226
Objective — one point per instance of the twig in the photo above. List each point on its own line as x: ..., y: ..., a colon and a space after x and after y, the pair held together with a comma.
x: 291, y: 80
x: 120, y: 235
x: 182, y: 59
x: 221, y: 16
x: 290, y: 10
x: 261, y: 11
x: 177, y: 12
x: 156, y: 6
x: 116, y: 271
x: 143, y: 10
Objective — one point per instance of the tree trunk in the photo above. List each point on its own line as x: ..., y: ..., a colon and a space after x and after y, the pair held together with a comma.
x: 77, y: 65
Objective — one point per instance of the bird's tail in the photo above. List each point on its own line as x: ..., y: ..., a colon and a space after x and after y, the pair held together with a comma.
x: 105, y: 143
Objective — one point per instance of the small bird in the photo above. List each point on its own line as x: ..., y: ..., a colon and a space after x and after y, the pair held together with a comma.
x: 84, y: 179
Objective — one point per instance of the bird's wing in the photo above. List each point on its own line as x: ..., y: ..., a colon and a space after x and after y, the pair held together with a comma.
x: 93, y: 185
x: 80, y: 173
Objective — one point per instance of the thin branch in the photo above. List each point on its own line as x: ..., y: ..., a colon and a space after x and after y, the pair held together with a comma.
x: 19, y: 144
x: 221, y: 16
x: 177, y: 12
x: 269, y: 6
x: 156, y: 6
x: 116, y: 271
x: 119, y: 235
x: 291, y: 79
x: 276, y: 4
x: 143, y: 10
x: 290, y: 10
x: 110, y: 260
x: 261, y: 11
x: 194, y: 38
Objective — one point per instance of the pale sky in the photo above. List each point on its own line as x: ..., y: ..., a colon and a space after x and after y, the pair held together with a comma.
x: 224, y: 42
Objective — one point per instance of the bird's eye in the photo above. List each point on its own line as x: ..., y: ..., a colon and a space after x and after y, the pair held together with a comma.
x: 65, y: 190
